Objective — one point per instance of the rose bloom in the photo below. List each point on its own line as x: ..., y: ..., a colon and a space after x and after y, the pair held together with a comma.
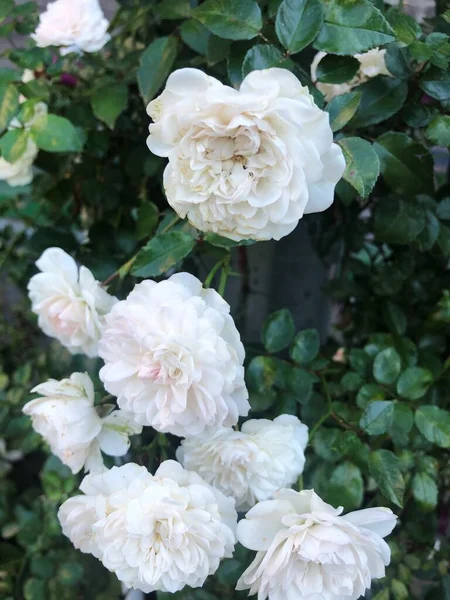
x: 77, y: 25
x: 250, y: 464
x: 247, y: 163
x: 70, y: 303
x: 19, y: 172
x: 307, y: 549
x: 66, y: 418
x: 372, y: 64
x: 173, y: 357
x: 155, y: 532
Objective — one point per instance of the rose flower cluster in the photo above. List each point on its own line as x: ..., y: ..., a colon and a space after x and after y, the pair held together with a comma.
x: 245, y: 163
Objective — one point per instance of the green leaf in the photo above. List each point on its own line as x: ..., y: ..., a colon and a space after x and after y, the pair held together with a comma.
x: 362, y: 164
x: 9, y: 554
x: 352, y: 27
x: 342, y: 108
x: 438, y: 131
x: 162, y: 252
x: 35, y: 589
x: 300, y: 383
x: 394, y: 317
x: 425, y: 491
x: 360, y: 361
x: 305, y: 346
x: 443, y: 209
x: 9, y: 104
x: 436, y: 83
x: 70, y: 573
x: 173, y: 9
x: 369, y: 393
x: 385, y: 469
x: 398, y: 221
x: 6, y: 6
x: 146, y: 220
x: 337, y: 69
x: 235, y: 59
x: 434, y: 424
x: 109, y: 101
x: 377, y: 417
x: 346, y: 487
x: 230, y: 19
x: 430, y: 233
x: 406, y: 165
x: 261, y: 374
x: 13, y: 144
x: 298, y: 22
x: 217, y: 49
x: 406, y: 28
x: 402, y: 423
x: 381, y: 98
x: 56, y: 134
x: 155, y: 65
x: 387, y: 366
x: 265, y: 56
x: 278, y: 331
x: 414, y: 382
x: 195, y: 35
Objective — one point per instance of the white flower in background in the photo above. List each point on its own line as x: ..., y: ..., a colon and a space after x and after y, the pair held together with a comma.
x: 248, y: 163
x: 173, y: 357
x: 155, y: 532
x: 70, y: 303
x: 19, y: 172
x: 66, y: 418
x: 76, y: 25
x: 307, y: 549
x: 372, y: 63
x: 250, y: 464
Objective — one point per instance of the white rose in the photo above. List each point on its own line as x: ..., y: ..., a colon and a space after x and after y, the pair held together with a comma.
x: 66, y: 418
x: 78, y: 25
x: 70, y: 303
x: 248, y: 163
x: 372, y: 63
x: 252, y: 464
x: 307, y: 549
x: 173, y: 357
x: 158, y: 532
x: 19, y: 172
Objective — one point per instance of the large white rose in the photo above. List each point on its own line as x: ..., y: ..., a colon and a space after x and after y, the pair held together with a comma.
x: 372, y: 64
x: 70, y: 303
x: 77, y: 25
x: 247, y: 163
x: 307, y: 549
x: 174, y: 357
x: 66, y: 418
x: 158, y: 532
x: 250, y: 464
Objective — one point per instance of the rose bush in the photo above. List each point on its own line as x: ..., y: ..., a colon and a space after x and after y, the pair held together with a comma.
x: 156, y: 390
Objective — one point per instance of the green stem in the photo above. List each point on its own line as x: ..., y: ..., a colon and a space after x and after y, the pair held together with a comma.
x: 224, y: 276
x: 329, y: 412
x: 211, y: 274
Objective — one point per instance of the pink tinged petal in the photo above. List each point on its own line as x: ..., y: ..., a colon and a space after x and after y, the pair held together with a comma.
x: 55, y: 260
